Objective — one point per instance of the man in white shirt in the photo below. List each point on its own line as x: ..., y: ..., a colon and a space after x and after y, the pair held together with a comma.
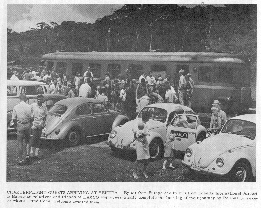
x: 22, y: 117
x: 88, y: 73
x: 52, y: 87
x: 85, y: 89
x: 170, y: 95
x: 14, y: 76
x: 182, y: 84
x: 142, y: 77
x: 39, y: 113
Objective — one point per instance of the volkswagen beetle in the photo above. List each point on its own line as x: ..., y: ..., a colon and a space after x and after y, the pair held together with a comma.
x: 161, y: 115
x: 73, y: 119
x: 230, y: 154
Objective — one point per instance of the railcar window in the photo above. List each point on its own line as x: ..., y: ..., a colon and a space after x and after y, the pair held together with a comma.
x: 61, y: 67
x: 184, y: 67
x: 135, y: 70
x: 50, y: 65
x: 95, y: 69
x: 204, y: 74
x: 114, y: 70
x: 157, y: 69
x: 223, y: 75
x: 77, y: 68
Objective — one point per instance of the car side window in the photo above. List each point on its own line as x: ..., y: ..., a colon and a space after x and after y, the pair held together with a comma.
x: 83, y: 109
x: 98, y: 108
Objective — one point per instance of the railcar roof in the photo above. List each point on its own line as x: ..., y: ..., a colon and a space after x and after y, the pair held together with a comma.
x: 145, y: 56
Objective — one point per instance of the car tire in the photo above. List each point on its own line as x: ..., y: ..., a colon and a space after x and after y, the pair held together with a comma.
x: 156, y: 149
x: 201, y: 136
x: 241, y: 172
x: 73, y: 138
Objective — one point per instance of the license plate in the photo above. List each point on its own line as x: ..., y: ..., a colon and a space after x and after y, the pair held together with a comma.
x: 180, y: 134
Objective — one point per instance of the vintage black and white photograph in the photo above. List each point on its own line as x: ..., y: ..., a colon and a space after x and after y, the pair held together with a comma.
x: 131, y: 92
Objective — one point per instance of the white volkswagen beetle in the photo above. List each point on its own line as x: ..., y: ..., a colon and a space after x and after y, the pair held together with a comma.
x: 162, y: 114
x: 231, y: 153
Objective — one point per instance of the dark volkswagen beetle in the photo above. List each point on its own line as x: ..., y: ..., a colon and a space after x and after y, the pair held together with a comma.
x: 73, y: 119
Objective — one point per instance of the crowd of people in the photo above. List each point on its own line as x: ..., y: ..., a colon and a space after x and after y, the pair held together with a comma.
x: 120, y: 93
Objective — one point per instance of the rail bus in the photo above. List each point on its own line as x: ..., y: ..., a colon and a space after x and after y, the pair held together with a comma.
x: 221, y: 76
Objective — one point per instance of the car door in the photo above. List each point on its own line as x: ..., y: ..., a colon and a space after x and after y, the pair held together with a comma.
x: 85, y: 119
x: 101, y: 119
x: 183, y: 128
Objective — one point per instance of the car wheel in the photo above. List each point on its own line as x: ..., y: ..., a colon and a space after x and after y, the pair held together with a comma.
x: 73, y: 138
x: 201, y: 136
x: 156, y: 149
x: 241, y: 172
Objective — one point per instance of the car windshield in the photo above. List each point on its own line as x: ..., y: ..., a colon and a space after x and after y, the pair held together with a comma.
x: 240, y: 127
x: 58, y: 109
x: 157, y: 114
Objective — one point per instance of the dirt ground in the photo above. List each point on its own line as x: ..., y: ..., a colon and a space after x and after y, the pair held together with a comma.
x: 92, y: 161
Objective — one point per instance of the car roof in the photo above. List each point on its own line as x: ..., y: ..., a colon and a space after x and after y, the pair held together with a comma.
x: 169, y: 107
x: 247, y: 117
x: 23, y: 83
x: 47, y: 96
x: 77, y: 101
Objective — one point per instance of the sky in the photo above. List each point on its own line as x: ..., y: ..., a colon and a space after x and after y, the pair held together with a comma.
x: 22, y: 17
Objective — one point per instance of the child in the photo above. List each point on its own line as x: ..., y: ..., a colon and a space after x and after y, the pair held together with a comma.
x: 141, y: 144
x: 169, y: 152
x: 141, y: 135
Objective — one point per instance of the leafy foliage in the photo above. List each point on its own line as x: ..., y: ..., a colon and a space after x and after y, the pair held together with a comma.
x: 231, y: 28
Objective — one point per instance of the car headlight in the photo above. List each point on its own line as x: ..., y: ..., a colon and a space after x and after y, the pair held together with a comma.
x: 113, y: 134
x: 219, y: 162
x: 188, y: 152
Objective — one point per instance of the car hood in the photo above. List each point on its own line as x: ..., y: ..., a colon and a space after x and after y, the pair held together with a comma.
x: 212, y: 147
x: 125, y: 134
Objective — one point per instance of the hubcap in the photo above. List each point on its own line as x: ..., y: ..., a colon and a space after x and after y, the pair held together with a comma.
x: 73, y: 137
x: 241, y: 174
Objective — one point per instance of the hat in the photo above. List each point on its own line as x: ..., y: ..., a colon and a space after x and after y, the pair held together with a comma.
x: 181, y: 71
x: 160, y: 78
x: 216, y: 102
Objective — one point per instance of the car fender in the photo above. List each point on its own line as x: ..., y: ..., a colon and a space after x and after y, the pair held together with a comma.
x: 65, y: 128
x: 119, y: 120
x: 232, y: 156
x: 200, y: 129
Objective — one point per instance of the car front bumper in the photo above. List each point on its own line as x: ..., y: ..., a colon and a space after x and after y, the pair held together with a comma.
x: 204, y: 171
x: 121, y: 147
